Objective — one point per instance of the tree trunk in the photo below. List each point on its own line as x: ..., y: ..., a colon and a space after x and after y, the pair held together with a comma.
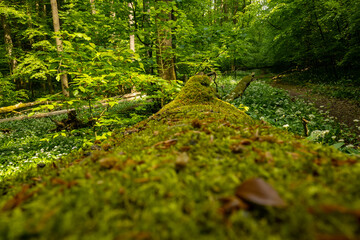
x: 9, y: 46
x: 93, y: 9
x: 164, y: 55
x: 59, y: 46
x: 240, y: 87
x: 131, y: 24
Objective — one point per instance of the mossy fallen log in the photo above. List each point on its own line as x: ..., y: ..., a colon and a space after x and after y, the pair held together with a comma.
x: 124, y: 98
x: 198, y: 169
x: 240, y: 87
x: 20, y: 105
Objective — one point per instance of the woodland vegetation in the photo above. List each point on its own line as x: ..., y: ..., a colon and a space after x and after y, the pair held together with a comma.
x: 156, y: 119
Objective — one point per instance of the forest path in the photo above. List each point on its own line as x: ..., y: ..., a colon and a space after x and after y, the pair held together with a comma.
x: 345, y: 111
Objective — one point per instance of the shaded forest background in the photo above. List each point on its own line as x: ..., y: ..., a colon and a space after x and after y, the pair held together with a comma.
x: 112, y: 46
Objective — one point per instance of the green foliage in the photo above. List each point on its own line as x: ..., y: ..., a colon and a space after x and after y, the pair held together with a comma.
x: 277, y: 108
x: 8, y: 94
x: 33, y: 141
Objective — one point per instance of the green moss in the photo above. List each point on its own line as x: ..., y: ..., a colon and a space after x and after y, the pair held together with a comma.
x: 197, y: 90
x: 164, y: 178
x: 240, y: 88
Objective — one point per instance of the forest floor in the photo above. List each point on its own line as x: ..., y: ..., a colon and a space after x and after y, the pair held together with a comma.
x: 345, y: 111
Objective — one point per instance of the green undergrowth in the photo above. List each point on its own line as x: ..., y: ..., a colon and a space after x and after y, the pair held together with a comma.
x: 343, y: 88
x: 174, y: 176
x: 26, y: 143
x: 276, y: 107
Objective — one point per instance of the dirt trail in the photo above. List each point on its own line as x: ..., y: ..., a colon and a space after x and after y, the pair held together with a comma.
x: 344, y: 111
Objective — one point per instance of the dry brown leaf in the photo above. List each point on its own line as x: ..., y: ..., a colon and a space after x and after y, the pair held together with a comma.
x: 19, y: 198
x: 36, y: 179
x: 185, y: 148
x: 338, y: 163
x: 59, y: 181
x: 166, y: 144
x: 237, y: 148
x: 145, y: 180
x: 108, y: 162
x: 257, y: 191
x: 328, y: 209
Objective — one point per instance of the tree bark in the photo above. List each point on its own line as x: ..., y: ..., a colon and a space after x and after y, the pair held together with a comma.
x: 164, y: 55
x: 93, y: 9
x: 9, y: 46
x: 125, y: 98
x: 131, y: 24
x: 240, y: 87
x: 59, y: 46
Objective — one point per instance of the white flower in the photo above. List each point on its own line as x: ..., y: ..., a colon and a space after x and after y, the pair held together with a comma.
x: 356, y: 120
x: 317, y: 134
x: 333, y: 137
x: 349, y: 146
x: 341, y: 140
x: 286, y: 126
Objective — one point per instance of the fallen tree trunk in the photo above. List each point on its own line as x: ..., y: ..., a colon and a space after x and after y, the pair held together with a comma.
x: 240, y: 87
x: 20, y: 106
x: 125, y: 98
x: 198, y: 169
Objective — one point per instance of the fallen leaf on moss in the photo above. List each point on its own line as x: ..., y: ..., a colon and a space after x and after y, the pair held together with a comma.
x: 338, y: 163
x: 19, y: 198
x: 36, y: 179
x: 54, y: 165
x: 185, y: 148
x: 88, y: 175
x: 145, y: 180
x: 108, y: 162
x: 165, y: 144
x: 329, y: 209
x: 258, y: 191
x: 237, y: 148
x: 59, y: 181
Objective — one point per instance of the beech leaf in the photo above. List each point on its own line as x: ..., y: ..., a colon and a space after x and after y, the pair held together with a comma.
x: 257, y: 191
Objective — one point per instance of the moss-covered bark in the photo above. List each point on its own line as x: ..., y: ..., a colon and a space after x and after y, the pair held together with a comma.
x: 175, y: 175
x: 240, y: 87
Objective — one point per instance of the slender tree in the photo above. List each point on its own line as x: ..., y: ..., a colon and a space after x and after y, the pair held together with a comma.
x: 59, y: 45
x: 164, y: 55
x: 131, y: 23
x: 93, y: 9
x: 9, y: 46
